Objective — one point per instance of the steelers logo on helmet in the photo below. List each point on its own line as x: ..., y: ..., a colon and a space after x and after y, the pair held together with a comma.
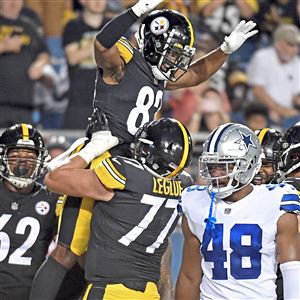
x: 159, y: 25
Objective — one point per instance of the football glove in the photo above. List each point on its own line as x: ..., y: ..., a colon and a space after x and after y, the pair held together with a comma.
x: 238, y: 36
x: 144, y: 6
x: 100, y: 137
x: 97, y: 122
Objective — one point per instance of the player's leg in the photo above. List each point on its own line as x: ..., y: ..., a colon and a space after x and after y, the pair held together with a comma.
x: 73, y: 237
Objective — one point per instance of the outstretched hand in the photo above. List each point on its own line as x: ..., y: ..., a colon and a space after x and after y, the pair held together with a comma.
x: 97, y: 122
x: 238, y: 36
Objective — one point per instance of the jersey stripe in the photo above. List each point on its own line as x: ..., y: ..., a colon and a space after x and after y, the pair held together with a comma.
x: 291, y: 208
x: 290, y: 197
x: 25, y: 131
x: 126, y: 51
x: 109, y: 176
x: 213, y: 143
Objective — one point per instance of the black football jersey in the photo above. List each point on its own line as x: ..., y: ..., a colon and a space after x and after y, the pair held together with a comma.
x: 27, y: 224
x: 135, y: 100
x: 129, y: 234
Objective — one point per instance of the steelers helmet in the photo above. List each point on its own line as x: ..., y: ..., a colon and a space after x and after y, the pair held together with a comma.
x: 236, y: 149
x: 290, y: 150
x: 166, y: 38
x: 22, y: 136
x: 270, y: 148
x: 163, y: 146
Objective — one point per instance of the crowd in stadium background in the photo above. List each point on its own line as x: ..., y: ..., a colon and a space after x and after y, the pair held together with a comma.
x: 49, y: 82
x: 249, y: 88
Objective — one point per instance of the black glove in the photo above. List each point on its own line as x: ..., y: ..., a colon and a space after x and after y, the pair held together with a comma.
x: 97, y: 122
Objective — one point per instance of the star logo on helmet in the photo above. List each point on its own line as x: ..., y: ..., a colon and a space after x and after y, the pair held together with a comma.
x: 246, y: 140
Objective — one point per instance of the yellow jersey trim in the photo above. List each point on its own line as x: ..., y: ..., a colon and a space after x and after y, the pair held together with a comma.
x: 109, y: 175
x: 125, y: 49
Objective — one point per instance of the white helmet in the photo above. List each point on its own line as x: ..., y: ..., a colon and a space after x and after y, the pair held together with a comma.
x: 237, y: 148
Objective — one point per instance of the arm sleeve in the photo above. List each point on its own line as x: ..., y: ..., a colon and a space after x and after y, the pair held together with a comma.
x: 117, y: 27
x: 291, y: 278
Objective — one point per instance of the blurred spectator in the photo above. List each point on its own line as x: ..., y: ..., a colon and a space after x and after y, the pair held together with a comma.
x: 30, y: 15
x: 78, y: 42
x: 274, y: 73
x: 221, y: 17
x: 238, y: 89
x: 184, y: 102
x: 210, y: 113
x: 256, y: 116
x: 56, y: 145
x: 52, y: 14
x: 23, y: 55
x: 50, y: 97
x: 274, y: 13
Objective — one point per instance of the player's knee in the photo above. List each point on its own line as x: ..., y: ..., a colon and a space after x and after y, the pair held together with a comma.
x: 64, y: 256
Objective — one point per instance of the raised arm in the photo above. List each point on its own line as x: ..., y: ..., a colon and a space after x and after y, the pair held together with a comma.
x: 189, y: 279
x: 68, y: 175
x: 74, y: 180
x: 107, y: 54
x: 205, y: 67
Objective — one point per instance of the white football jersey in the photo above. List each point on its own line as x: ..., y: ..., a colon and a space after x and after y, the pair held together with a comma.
x: 239, y: 253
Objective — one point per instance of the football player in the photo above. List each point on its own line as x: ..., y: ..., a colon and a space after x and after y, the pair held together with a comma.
x: 136, y: 211
x: 27, y: 210
x: 129, y: 89
x: 289, y: 162
x: 234, y: 230
x: 269, y: 141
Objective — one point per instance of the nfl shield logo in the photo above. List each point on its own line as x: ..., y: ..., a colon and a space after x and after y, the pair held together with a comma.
x: 227, y: 211
x: 14, y: 206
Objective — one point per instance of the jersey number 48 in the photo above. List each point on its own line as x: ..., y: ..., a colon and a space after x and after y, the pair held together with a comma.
x: 243, y: 249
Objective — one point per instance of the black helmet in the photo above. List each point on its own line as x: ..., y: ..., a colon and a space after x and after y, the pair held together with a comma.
x: 270, y: 148
x: 21, y: 136
x: 290, y: 150
x: 164, y: 147
x: 269, y: 141
x: 166, y: 40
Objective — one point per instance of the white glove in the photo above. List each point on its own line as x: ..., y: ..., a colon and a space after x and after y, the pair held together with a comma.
x: 60, y: 159
x: 101, y: 141
x: 144, y: 6
x: 238, y: 36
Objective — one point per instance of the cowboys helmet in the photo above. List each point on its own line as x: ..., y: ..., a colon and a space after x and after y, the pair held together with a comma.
x: 21, y: 172
x: 290, y: 146
x: 166, y: 40
x: 163, y: 146
x: 270, y: 147
x: 236, y: 150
